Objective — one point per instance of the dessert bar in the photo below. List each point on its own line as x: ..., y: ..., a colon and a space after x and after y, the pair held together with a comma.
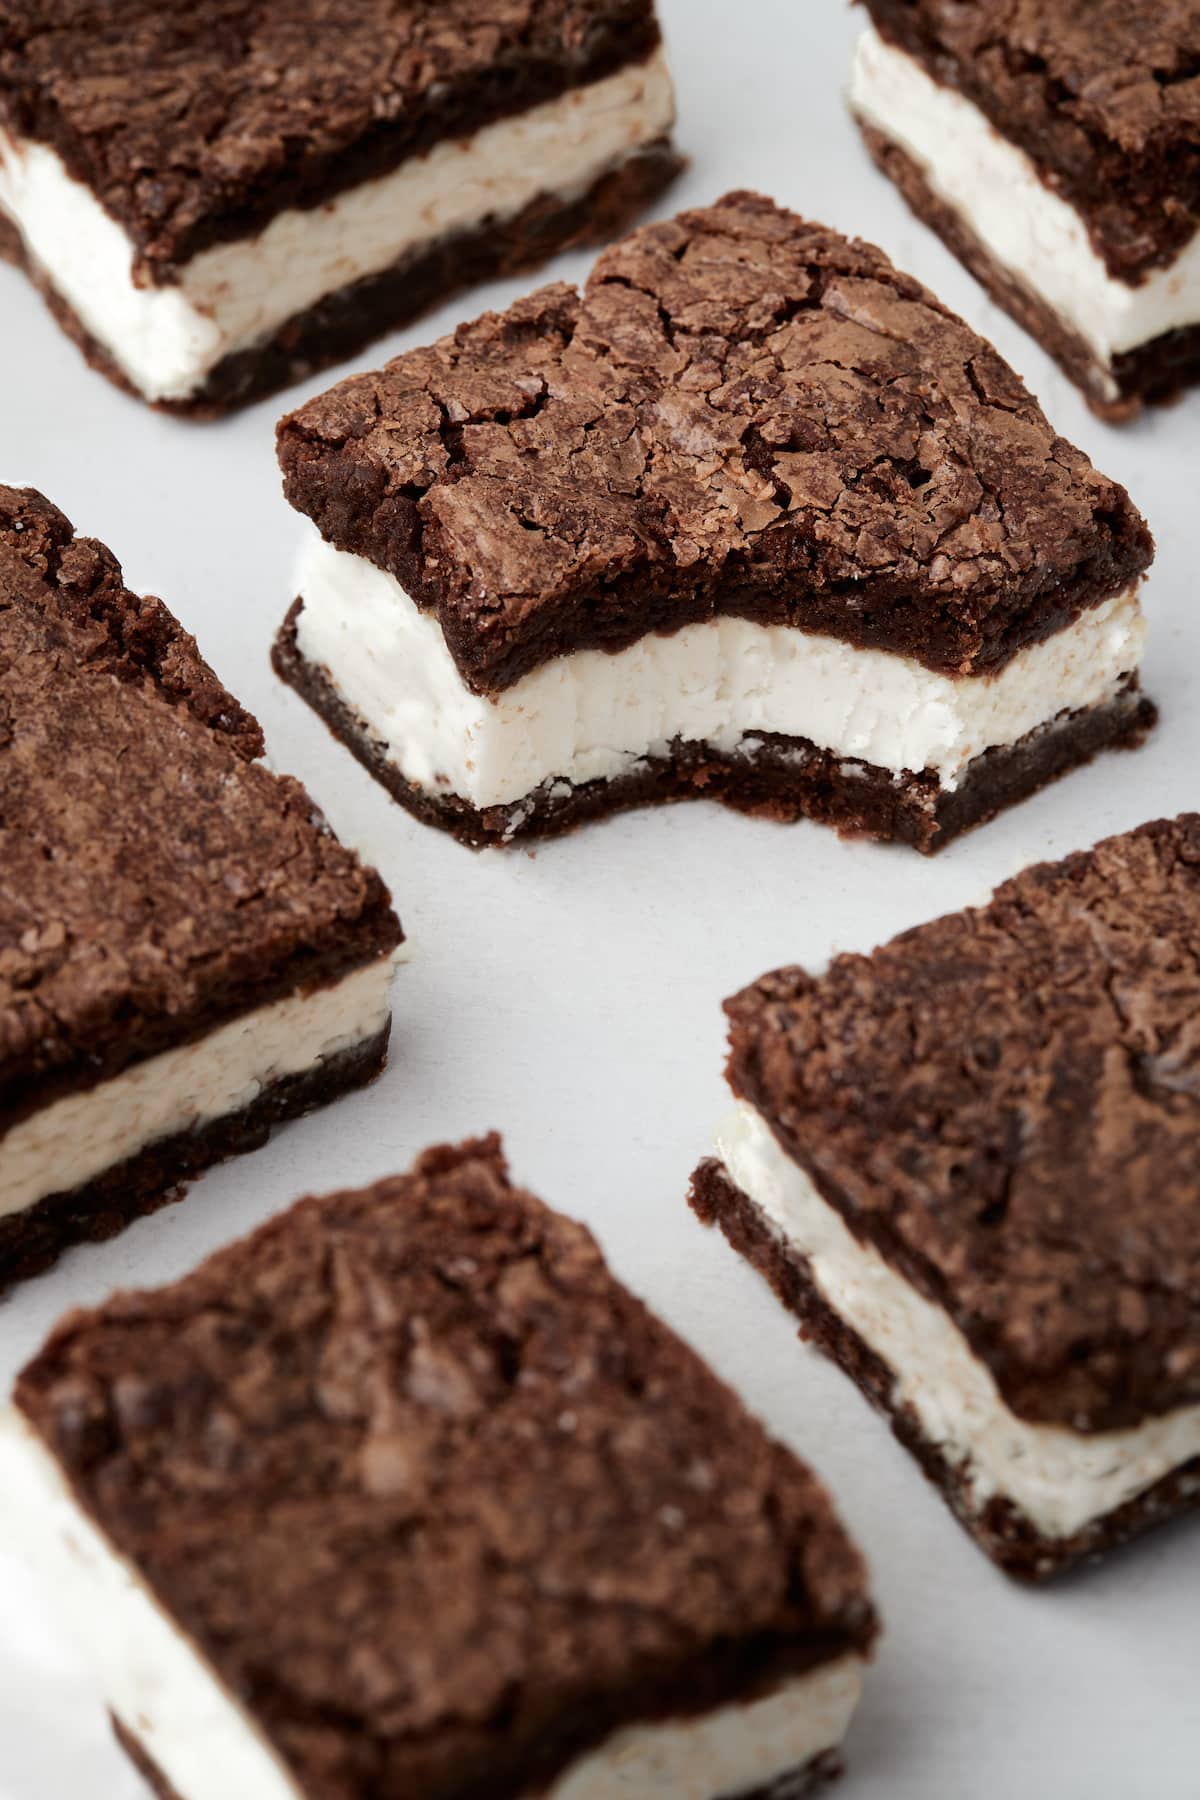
x: 406, y: 1495
x: 751, y: 517
x: 187, y: 954
x: 218, y: 199
x: 1055, y: 149
x: 970, y: 1164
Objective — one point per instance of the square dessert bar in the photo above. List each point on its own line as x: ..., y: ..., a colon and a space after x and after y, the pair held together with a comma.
x: 187, y: 954
x: 218, y: 198
x: 406, y: 1495
x: 970, y: 1164
x: 1055, y: 148
x: 751, y: 517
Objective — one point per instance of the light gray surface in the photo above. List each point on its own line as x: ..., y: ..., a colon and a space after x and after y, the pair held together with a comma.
x: 572, y: 998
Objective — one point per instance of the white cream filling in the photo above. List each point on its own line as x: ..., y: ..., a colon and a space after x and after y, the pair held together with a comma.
x: 75, y: 1139
x: 208, y: 1747
x: 1061, y: 1480
x: 596, y: 716
x: 167, y: 340
x: 1024, y: 224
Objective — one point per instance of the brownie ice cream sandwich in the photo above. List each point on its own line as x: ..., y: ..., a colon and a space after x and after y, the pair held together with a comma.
x: 970, y: 1164
x: 188, y: 956
x: 1055, y: 148
x: 217, y: 199
x: 406, y: 1495
x: 752, y: 517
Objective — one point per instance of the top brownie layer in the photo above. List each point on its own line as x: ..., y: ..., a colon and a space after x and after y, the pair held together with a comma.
x: 1103, y: 95
x: 155, y: 879
x: 1006, y: 1104
x: 743, y: 413
x: 440, y: 1500
x: 196, y: 124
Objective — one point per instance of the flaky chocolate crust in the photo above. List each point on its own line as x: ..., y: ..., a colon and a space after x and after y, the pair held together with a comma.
x: 1104, y: 98
x: 743, y: 413
x: 155, y: 878
x: 441, y: 1503
x: 1005, y: 1103
x: 196, y: 125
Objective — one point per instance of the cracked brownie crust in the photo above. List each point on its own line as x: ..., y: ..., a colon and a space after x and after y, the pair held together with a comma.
x: 155, y: 878
x: 541, y: 1516
x: 742, y: 413
x: 1104, y: 97
x: 197, y: 125
x: 1005, y: 1104
x: 783, y: 778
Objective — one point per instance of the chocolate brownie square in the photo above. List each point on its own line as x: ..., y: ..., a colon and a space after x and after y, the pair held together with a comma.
x: 217, y: 199
x: 970, y: 1164
x: 1055, y: 148
x: 405, y: 1494
x: 752, y: 517
x: 187, y: 954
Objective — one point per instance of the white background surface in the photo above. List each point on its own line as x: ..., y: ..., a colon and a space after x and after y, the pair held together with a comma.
x: 571, y: 998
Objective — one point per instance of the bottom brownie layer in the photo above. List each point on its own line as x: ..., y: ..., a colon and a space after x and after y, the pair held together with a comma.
x: 345, y: 322
x: 782, y: 778
x: 796, y: 1786
x: 1001, y: 1529
x: 33, y: 1239
x: 1153, y: 374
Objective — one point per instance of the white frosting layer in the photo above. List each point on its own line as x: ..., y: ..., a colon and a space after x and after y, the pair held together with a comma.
x: 1026, y: 227
x: 207, y: 1746
x: 596, y: 716
x: 75, y: 1139
x: 1061, y: 1480
x: 167, y: 340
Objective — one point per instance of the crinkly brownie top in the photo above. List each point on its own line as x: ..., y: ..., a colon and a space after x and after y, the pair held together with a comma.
x: 742, y: 413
